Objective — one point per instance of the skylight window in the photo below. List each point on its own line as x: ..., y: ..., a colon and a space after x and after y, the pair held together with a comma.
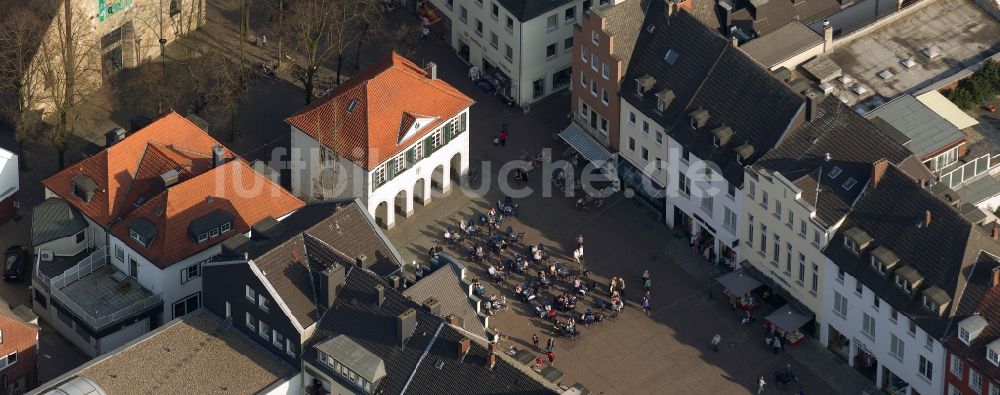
x: 671, y: 57
x: 834, y: 172
x: 849, y: 183
x: 352, y: 106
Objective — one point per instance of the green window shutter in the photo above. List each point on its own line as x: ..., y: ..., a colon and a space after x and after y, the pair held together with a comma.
x: 428, y: 147
x: 461, y: 123
x: 447, y: 132
x: 409, y: 157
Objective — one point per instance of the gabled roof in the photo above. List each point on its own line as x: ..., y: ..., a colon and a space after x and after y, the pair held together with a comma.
x: 854, y: 145
x: 445, y: 285
x: 526, y: 10
x: 412, y: 369
x: 709, y: 74
x: 980, y: 298
x: 893, y: 214
x: 334, y: 232
x: 929, y: 133
x: 233, y: 187
x: 131, y: 168
x: 53, y: 219
x: 383, y: 97
x: 622, y: 21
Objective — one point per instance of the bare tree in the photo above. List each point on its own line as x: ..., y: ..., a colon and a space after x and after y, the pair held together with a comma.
x: 20, y: 77
x: 228, y: 89
x: 69, y: 60
x: 323, y: 29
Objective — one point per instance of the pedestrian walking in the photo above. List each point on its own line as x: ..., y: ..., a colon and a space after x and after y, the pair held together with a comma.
x: 534, y: 340
x: 503, y: 138
x: 776, y: 343
x: 645, y: 275
x: 715, y: 342
x: 645, y: 303
x: 577, y: 254
x: 550, y: 346
x: 496, y: 141
x: 802, y: 391
x: 621, y: 286
x: 614, y: 285
x: 263, y: 40
x: 760, y: 385
x: 504, y: 125
x: 552, y: 358
x: 647, y: 282
x: 579, y: 240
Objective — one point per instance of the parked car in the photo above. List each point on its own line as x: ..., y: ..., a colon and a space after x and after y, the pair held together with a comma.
x: 16, y: 260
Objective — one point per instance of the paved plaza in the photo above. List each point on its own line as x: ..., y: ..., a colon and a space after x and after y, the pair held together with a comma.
x: 667, y: 352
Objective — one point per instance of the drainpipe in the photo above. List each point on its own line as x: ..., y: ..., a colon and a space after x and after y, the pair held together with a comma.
x: 520, y: 61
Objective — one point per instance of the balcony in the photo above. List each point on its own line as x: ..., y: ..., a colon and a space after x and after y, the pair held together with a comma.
x: 99, y: 294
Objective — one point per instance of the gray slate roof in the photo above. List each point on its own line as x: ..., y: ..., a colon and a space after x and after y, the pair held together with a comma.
x: 774, y: 14
x: 526, y: 10
x: 928, y: 131
x: 356, y: 316
x: 53, y: 219
x: 355, y: 357
x: 323, y: 232
x: 854, y: 144
x: 709, y: 74
x: 940, y: 252
x: 782, y: 44
x: 445, y: 285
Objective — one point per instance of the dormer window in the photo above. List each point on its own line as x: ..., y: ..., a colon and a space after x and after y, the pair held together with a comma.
x: 698, y: 118
x: 879, y: 266
x: 993, y: 357
x: 903, y: 284
x: 970, y: 328
x: 963, y: 335
x: 856, y: 240
x: 142, y: 230
x: 644, y: 84
x: 930, y: 304
x: 352, y: 362
x: 210, y: 225
x: 936, y: 300
x: 721, y: 135
x: 908, y: 279
x: 851, y: 245
x: 84, y: 187
x: 663, y: 99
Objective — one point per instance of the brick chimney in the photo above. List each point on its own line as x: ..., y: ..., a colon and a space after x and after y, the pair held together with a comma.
x: 996, y: 276
x: 453, y: 320
x: 463, y: 347
x: 878, y: 170
x: 927, y: 218
x: 996, y: 231
x: 491, y: 360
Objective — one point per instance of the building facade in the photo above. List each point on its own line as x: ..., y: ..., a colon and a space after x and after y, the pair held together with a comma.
x: 391, y: 155
x: 9, y: 185
x: 119, y: 255
x: 604, y: 39
x: 18, y: 353
x: 529, y: 42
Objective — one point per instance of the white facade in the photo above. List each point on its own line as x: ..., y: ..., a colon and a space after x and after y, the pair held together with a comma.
x: 850, y: 313
x: 522, y: 49
x: 646, y: 145
x: 387, y: 191
x: 782, y: 238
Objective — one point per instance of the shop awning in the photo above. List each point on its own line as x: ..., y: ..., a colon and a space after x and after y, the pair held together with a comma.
x: 589, y: 148
x: 739, y: 282
x: 788, y: 319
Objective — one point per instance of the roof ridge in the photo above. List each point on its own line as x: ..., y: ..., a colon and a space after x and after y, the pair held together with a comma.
x: 128, y: 189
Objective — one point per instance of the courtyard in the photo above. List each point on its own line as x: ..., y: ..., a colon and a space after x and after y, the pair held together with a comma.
x: 668, y: 351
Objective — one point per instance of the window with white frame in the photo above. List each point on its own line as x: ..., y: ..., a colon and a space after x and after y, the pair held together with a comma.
x: 791, y: 218
x: 956, y: 366
x: 277, y: 339
x: 926, y: 368
x: 593, y: 87
x: 251, y: 295
x: 868, y: 325
x: 190, y: 273
x: 605, y: 71
x: 893, y: 314
x: 584, y: 54
x: 552, y: 22
x: 763, y: 239
x: 263, y: 302
x: 584, y: 108
x: 263, y: 330
x: 802, y: 228
x: 777, y: 209
x: 378, y: 175
x: 289, y: 348
x: 840, y: 275
x: 251, y: 322
x: 684, y: 185
x: 593, y: 61
x: 992, y: 356
x: 763, y: 199
x: 594, y: 37
x: 570, y: 15
x: 659, y: 138
x: 631, y: 118
x: 839, y: 304
x: 631, y: 144
x: 788, y: 260
x: 896, y: 346
x: 878, y: 265
x: 750, y: 227
x: 8, y: 360
x: 707, y: 205
x: 975, y: 380
x: 399, y: 163
x: 776, y: 253
x: 119, y: 253
x: 604, y: 96
x: 994, y: 389
x: 645, y: 127
x: 729, y: 219
x: 963, y: 335
x: 751, y: 190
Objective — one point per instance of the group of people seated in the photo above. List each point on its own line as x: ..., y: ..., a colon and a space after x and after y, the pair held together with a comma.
x: 478, y: 288
x: 566, y: 302
x: 495, y: 303
x: 567, y: 328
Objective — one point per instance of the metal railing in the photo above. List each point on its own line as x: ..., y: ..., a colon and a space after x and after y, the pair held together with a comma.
x: 94, y: 261
x: 88, y: 265
x: 38, y: 272
x: 969, y: 170
x: 101, y: 320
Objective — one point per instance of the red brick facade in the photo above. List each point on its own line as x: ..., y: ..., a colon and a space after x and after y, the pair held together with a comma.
x: 588, y: 78
x: 960, y: 381
x: 21, y: 338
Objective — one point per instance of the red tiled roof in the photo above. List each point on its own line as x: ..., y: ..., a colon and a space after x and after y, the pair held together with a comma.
x: 132, y: 167
x: 233, y: 187
x: 385, y: 94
